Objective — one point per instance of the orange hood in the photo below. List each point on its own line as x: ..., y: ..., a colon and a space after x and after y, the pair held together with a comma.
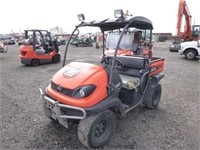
x: 78, y: 74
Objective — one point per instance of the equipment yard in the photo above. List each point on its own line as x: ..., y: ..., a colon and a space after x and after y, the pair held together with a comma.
x: 174, y: 125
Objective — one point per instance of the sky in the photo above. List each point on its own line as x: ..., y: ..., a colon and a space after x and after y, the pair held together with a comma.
x: 18, y: 15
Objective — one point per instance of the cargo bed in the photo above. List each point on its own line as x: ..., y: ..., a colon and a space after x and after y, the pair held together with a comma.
x: 157, y: 65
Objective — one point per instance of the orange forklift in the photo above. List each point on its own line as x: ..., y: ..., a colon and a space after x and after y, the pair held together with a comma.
x: 90, y: 93
x: 39, y: 48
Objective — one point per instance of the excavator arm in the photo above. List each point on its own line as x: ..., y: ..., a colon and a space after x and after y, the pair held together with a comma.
x: 183, y: 10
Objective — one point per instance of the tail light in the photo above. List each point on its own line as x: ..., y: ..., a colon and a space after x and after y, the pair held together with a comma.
x: 23, y: 53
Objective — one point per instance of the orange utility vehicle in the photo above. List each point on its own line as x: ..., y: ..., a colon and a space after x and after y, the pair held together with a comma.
x: 39, y: 48
x: 90, y: 93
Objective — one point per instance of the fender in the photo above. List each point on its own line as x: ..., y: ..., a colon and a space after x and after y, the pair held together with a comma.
x: 105, y: 104
x: 156, y: 78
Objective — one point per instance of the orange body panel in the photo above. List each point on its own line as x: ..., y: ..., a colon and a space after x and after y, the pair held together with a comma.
x: 27, y: 52
x: 125, y: 52
x: 87, y: 74
x: 120, y: 52
x: 156, y: 67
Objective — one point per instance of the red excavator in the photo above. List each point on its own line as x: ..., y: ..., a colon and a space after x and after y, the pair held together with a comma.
x: 190, y: 32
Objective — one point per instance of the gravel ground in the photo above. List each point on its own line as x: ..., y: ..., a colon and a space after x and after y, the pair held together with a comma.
x: 174, y: 125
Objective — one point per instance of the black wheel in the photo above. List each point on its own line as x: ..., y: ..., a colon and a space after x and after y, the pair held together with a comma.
x: 96, y: 130
x: 56, y: 58
x: 190, y: 54
x: 153, y: 97
x: 35, y: 62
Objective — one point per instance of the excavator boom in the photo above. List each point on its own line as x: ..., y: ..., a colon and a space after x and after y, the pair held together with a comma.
x: 183, y: 10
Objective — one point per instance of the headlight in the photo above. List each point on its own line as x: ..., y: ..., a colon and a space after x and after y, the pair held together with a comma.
x: 81, y: 17
x: 118, y: 13
x: 84, y: 91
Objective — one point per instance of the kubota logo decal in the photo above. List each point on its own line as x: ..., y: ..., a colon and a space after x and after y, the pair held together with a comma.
x: 71, y: 72
x: 59, y: 88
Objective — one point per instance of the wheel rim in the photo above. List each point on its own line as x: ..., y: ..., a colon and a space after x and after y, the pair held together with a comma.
x: 101, y: 128
x: 190, y: 55
x: 35, y: 62
x: 56, y: 58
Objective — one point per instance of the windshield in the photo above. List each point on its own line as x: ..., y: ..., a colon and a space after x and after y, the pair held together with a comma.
x: 126, y: 42
x: 84, y: 44
x: 129, y: 39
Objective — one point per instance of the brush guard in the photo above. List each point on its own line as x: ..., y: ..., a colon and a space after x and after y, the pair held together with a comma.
x: 52, y: 108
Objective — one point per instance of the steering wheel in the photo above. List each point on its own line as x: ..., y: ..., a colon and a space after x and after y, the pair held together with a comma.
x: 108, y: 60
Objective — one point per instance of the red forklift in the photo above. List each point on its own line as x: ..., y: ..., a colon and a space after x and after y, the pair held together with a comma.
x: 89, y: 94
x: 39, y: 48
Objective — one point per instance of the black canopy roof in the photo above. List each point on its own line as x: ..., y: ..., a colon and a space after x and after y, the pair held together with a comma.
x: 37, y: 30
x: 112, y: 24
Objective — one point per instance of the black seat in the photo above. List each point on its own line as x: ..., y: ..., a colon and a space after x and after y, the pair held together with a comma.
x: 133, y: 65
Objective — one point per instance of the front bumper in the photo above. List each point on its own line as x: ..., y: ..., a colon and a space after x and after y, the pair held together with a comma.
x: 180, y: 52
x: 26, y: 61
x: 53, y: 109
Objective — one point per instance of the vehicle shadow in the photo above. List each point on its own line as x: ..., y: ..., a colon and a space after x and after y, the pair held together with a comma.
x: 130, y: 130
x: 55, y: 136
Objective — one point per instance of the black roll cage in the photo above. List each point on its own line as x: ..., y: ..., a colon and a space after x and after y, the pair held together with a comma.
x: 41, y: 35
x: 113, y: 24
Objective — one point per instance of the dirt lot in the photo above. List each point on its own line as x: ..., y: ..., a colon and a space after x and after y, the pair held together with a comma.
x: 174, y: 125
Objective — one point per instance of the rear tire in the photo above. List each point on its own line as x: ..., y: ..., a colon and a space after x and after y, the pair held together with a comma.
x: 153, y: 97
x: 35, y: 62
x: 96, y: 130
x: 190, y: 54
x: 56, y: 58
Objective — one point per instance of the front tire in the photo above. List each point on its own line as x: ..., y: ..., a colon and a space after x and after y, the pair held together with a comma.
x: 35, y: 62
x: 96, y: 130
x: 190, y: 54
x: 153, y: 97
x: 56, y: 58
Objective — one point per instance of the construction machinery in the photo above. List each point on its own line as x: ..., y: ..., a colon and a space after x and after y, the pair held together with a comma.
x: 89, y: 93
x: 39, y: 48
x: 191, y: 32
x: 82, y: 41
x: 3, y: 49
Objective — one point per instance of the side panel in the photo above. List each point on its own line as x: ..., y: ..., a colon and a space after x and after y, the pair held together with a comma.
x: 157, y: 67
x: 27, y: 52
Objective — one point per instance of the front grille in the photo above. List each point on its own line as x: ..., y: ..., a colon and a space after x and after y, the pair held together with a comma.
x: 62, y: 90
